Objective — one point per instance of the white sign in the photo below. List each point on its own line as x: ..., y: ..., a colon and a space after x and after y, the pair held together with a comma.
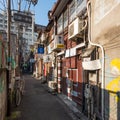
x: 47, y: 58
x: 49, y: 49
x: 67, y: 53
x: 70, y: 52
x: 32, y: 60
x: 91, y: 65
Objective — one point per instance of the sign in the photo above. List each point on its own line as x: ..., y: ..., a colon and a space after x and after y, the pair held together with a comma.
x: 70, y: 52
x: 91, y: 65
x: 60, y: 46
x: 32, y: 60
x: 22, y: 18
x: 40, y: 49
x: 47, y: 58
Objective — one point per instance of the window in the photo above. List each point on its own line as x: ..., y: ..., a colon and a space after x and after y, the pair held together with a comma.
x: 1, y: 21
x: 60, y: 24
x: 1, y: 26
x: 72, y: 11
x: 65, y: 18
x: 79, y: 2
x: 72, y: 8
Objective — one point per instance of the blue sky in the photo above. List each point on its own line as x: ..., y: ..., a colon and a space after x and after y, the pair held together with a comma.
x: 40, y: 10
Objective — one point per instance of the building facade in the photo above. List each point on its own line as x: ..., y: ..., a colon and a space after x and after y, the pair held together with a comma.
x: 67, y: 40
x: 26, y: 32
x: 82, y: 55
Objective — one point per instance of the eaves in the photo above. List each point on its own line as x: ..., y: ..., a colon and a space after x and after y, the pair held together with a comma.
x: 60, y: 5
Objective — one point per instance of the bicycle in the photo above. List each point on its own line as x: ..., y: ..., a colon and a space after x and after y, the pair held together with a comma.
x: 18, y: 89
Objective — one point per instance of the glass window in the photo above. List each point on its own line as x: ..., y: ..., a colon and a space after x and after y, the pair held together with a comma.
x: 72, y: 11
x: 60, y: 24
x: 72, y: 8
x: 79, y: 2
x: 65, y: 18
x: 1, y: 26
x: 1, y: 21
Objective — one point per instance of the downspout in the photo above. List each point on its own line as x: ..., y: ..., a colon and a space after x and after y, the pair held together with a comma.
x: 103, y: 55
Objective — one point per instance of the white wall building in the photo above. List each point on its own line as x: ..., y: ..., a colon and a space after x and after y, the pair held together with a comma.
x: 27, y: 31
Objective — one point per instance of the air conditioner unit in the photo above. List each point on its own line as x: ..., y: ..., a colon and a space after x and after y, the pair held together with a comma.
x: 75, y: 28
x: 58, y: 42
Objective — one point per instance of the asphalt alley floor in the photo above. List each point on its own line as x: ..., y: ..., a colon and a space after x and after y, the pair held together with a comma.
x: 38, y: 104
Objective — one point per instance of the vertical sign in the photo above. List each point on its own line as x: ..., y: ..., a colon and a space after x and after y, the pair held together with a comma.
x: 40, y: 49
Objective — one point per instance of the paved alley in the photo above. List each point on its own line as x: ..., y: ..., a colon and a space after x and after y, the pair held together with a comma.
x: 39, y: 104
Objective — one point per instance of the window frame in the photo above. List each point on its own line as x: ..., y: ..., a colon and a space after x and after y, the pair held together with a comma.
x: 60, y: 24
x: 65, y: 19
x: 72, y: 13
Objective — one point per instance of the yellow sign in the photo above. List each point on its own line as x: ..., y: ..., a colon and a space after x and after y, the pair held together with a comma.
x: 60, y: 45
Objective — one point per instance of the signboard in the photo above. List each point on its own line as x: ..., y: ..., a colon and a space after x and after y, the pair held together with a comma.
x: 70, y: 52
x: 40, y: 49
x: 22, y: 18
x: 47, y: 58
x: 91, y: 65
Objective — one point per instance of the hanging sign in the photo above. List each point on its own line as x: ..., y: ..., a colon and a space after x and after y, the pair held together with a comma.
x: 40, y: 49
x: 91, y: 65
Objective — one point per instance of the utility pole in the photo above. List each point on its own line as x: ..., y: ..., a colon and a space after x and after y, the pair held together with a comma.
x: 9, y: 58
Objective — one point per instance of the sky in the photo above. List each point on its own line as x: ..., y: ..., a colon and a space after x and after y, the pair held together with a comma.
x: 40, y: 9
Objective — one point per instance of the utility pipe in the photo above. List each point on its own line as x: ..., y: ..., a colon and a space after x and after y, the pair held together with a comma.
x: 103, y: 55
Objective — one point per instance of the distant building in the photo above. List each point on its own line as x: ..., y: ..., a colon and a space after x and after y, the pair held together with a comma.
x: 25, y: 30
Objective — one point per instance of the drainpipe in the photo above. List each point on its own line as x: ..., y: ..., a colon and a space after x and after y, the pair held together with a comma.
x: 103, y: 55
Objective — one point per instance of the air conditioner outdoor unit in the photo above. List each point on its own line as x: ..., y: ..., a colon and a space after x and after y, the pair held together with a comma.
x: 75, y: 28
x: 58, y: 42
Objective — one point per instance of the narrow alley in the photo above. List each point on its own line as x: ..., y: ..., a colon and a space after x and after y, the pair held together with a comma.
x: 38, y: 104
